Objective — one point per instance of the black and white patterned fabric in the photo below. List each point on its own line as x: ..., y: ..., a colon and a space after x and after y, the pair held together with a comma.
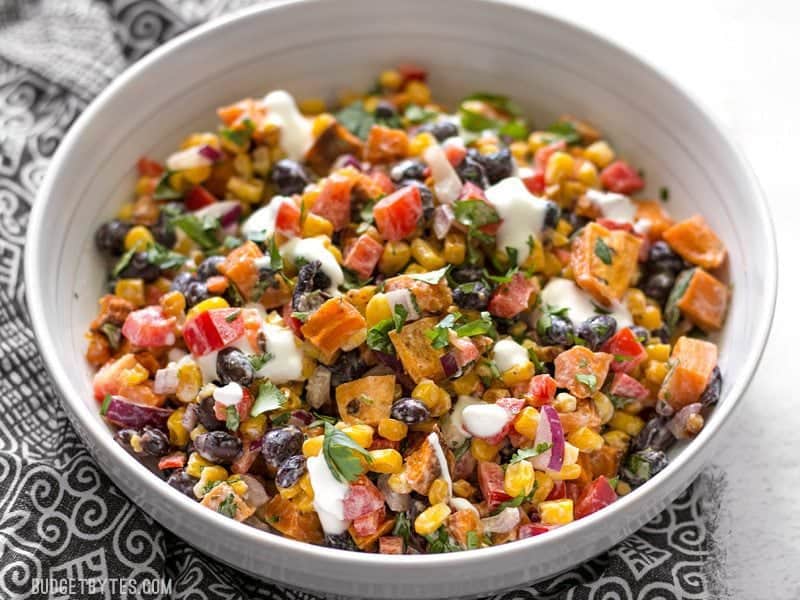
x: 61, y: 519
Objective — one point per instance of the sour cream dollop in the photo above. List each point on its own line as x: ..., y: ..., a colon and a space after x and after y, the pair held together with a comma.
x: 509, y: 354
x: 329, y: 494
x: 617, y: 207
x: 562, y: 293
x: 286, y: 363
x: 295, y: 129
x: 523, y: 215
x: 311, y: 249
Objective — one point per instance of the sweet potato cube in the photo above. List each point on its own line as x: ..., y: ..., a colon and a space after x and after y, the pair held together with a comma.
x: 386, y: 145
x: 367, y: 542
x: 366, y: 400
x: 222, y: 498
x: 604, y: 262
x: 692, y: 362
x: 334, y: 141
x: 240, y: 267
x: 284, y: 516
x: 582, y: 371
x: 705, y: 300
x: 695, y: 241
x: 336, y: 325
x: 420, y: 359
x: 654, y: 212
x: 422, y: 468
x: 461, y: 522
x: 605, y: 461
x: 391, y: 544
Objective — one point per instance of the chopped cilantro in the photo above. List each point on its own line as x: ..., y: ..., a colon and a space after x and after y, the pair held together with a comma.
x: 232, y: 418
x: 416, y: 114
x: 440, y: 542
x: 516, y: 501
x: 228, y: 506
x: 482, y: 326
x: 113, y: 333
x: 439, y: 334
x: 123, y: 262
x: 378, y: 336
x: 402, y: 526
x: 275, y: 259
x: 475, y: 213
x: 399, y: 316
x: 164, y: 191
x: 473, y: 540
x: 603, y: 252
x: 233, y: 316
x: 526, y: 453
x: 269, y: 398
x: 164, y: 258
x: 343, y: 455
x: 432, y: 277
x: 201, y: 231
x: 564, y: 130
x: 105, y: 404
x: 356, y: 119
x: 587, y: 379
x: 259, y: 360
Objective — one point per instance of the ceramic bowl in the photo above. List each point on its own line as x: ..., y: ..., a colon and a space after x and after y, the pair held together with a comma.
x: 319, y: 48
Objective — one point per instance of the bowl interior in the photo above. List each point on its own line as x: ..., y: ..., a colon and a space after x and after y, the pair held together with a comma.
x: 548, y: 67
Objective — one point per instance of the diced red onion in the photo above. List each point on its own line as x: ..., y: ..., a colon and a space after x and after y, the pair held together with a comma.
x: 318, y: 387
x: 677, y: 424
x: 301, y: 418
x: 210, y: 153
x: 256, y: 493
x: 450, y: 365
x: 443, y: 218
x: 191, y: 158
x: 549, y: 432
x: 124, y: 413
x: 346, y: 160
x: 391, y: 361
x: 256, y: 444
x: 189, y: 419
x: 503, y: 522
x: 447, y: 183
x: 396, y: 501
x: 166, y: 380
x: 404, y: 298
x: 227, y: 211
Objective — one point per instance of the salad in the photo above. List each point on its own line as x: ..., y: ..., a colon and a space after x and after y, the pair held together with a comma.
x: 393, y: 328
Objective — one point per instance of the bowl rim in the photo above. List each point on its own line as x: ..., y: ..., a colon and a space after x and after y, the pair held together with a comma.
x: 98, y: 432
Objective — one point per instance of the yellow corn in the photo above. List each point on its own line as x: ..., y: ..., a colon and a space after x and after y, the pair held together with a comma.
x: 544, y: 485
x: 636, y: 302
x: 398, y: 482
x: 559, y: 240
x: 253, y: 428
x: 651, y: 317
x: 556, y: 512
x: 656, y: 371
x: 630, y: 424
x: 431, y: 519
x: 418, y: 92
x: 243, y: 165
x: 395, y: 256
x: 196, y: 464
x: 392, y: 429
x: 565, y: 402
x: 563, y: 227
x: 527, y: 422
x: 587, y: 175
x: 415, y: 268
x: 494, y: 394
x: 199, y: 174
x: 386, y: 460
x: 658, y: 352
x: 261, y: 161
x: 426, y: 255
x: 360, y: 433
x: 623, y: 488
x: 321, y: 123
x: 333, y: 249
x: 390, y: 79
x: 138, y: 238
x: 463, y: 488
x: 567, y: 472
x: 552, y: 266
x: 177, y: 182
x: 455, y: 248
x: 135, y: 375
x: 420, y: 142
x: 125, y: 212
x: 604, y: 407
x: 466, y: 384
x: 314, y: 225
x: 190, y: 379
x: 205, y: 305
x: 313, y: 445
x: 519, y: 150
x: 483, y: 450
x: 536, y: 260
x: 246, y: 191
x: 238, y: 484
x: 130, y: 289
x: 431, y: 395
x: 209, y: 475
x: 600, y: 153
x: 178, y: 434
x: 519, y: 478
x: 585, y: 440
x: 438, y: 491
x: 200, y: 139
x: 311, y: 106
x: 518, y: 373
x: 197, y: 431
x: 172, y: 303
x: 559, y: 166
x: 617, y: 439
x: 378, y: 309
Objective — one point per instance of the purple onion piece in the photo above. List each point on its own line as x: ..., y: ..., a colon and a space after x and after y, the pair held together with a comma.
x: 443, y: 218
x: 301, y: 418
x: 124, y: 413
x: 677, y: 424
x: 347, y: 160
x: 549, y: 432
x: 255, y: 445
x: 210, y: 153
x: 391, y: 361
x: 450, y: 365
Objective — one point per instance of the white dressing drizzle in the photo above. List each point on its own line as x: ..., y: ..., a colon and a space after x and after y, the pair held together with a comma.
x: 613, y: 206
x: 508, y: 354
x: 264, y: 218
x: 314, y: 249
x: 296, y: 135
x: 286, y: 363
x: 523, y: 215
x: 563, y: 293
x: 329, y: 494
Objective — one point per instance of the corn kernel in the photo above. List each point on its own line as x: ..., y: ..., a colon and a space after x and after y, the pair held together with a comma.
x: 439, y: 491
x: 466, y: 384
x: 518, y: 373
x: 651, y: 318
x: 398, y: 483
x: 536, y: 260
x: 178, y: 434
x: 587, y: 175
x: 378, y: 309
x: 190, y: 379
x: 360, y: 433
x: 630, y: 424
x: 431, y: 395
x: 418, y: 92
x: 463, y: 488
x: 658, y: 352
x: 603, y: 406
x: 392, y: 429
x: 321, y: 123
x: 623, y: 488
x: 556, y: 512
x: 205, y: 305
x: 134, y: 376
x: 200, y: 139
x: 172, y: 304
x: 314, y: 225
x: 483, y: 450
x: 585, y: 440
x: 196, y: 464
x: 208, y: 476
x: 559, y: 239
x: 199, y: 174
x: 138, y: 238
x: 395, y: 256
x: 426, y: 255
x: 238, y: 484
x: 125, y: 212
x: 565, y: 402
x: 253, y: 428
x: 552, y: 266
x: 563, y: 227
x: 617, y: 439
x: 386, y: 460
x: 415, y: 269
x: 519, y: 478
x: 246, y: 190
x: 130, y: 289
x: 559, y: 167
x: 636, y: 302
x: 312, y: 446
x: 177, y: 182
x: 519, y: 150
x: 527, y: 422
x: 197, y: 431
x: 600, y: 153
x: 455, y: 248
x: 311, y: 106
x: 390, y: 79
x: 544, y: 485
x: 431, y: 519
x: 656, y: 371
x: 420, y: 142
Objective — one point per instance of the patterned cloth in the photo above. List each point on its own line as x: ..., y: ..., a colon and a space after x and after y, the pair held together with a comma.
x: 60, y: 517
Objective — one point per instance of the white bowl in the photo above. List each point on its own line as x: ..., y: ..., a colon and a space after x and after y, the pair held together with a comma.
x: 318, y: 47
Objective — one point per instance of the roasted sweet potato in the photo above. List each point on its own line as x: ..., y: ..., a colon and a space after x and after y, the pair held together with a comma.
x: 334, y: 141
x: 113, y: 310
x: 605, y: 461
x: 420, y: 359
x: 604, y: 262
x: 585, y: 415
x: 691, y: 364
x: 582, y: 371
x: 431, y: 298
x: 367, y: 542
x: 284, y: 516
x: 336, y: 325
x: 366, y: 400
x: 655, y: 214
x: 385, y: 145
x: 461, y: 522
x: 695, y: 241
x: 224, y: 493
x: 422, y: 468
x: 705, y: 300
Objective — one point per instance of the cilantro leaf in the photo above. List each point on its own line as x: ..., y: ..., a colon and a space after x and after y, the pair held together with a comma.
x: 475, y: 213
x: 164, y: 191
x: 416, y: 114
x: 232, y: 418
x: 587, y: 379
x: 498, y: 102
x: 275, y: 258
x: 402, y: 526
x: 440, y: 542
x: 104, y: 405
x: 378, y: 336
x: 432, y: 277
x: 564, y: 130
x: 473, y: 541
x: 259, y: 360
x: 164, y: 258
x: 439, y: 334
x: 343, y: 455
x: 228, y: 506
x: 526, y: 453
x: 201, y: 231
x: 356, y: 119
x: 399, y: 316
x: 516, y: 501
x: 123, y: 262
x: 482, y: 326
x: 113, y: 333
x: 269, y: 398
x: 603, y: 252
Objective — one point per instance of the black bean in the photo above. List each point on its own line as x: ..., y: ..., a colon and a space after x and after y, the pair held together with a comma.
x: 289, y: 177
x: 140, y: 267
x: 154, y: 441
x: 280, y: 444
x: 596, y: 330
x: 206, y: 415
x: 110, y: 237
x: 290, y: 472
x: 471, y: 169
x: 195, y: 293
x: 408, y: 169
x: 654, y: 435
x: 554, y: 330
x: 218, y: 446
x: 340, y: 541
x: 658, y: 286
x: 163, y: 232
x: 210, y: 267
x: 552, y: 215
x: 643, y: 465
x: 575, y: 221
x: 348, y: 366
x: 641, y: 334
x: 711, y: 394
x: 385, y: 110
x: 183, y: 482
x: 310, y: 278
x: 467, y: 274
x: 472, y: 296
x: 123, y: 438
x: 234, y: 366
x: 441, y: 130
x: 410, y: 411
x: 497, y: 165
x: 663, y: 258
x: 181, y: 282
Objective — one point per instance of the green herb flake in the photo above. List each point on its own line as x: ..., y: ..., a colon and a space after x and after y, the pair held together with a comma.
x: 663, y: 193
x: 399, y: 316
x: 415, y: 114
x: 104, y: 406
x: 269, y: 398
x: 228, y: 506
x: 526, y: 453
x: 232, y: 418
x: 356, y: 119
x: 123, y: 262
x: 342, y: 455
x: 432, y: 277
x: 275, y: 258
x: 603, y: 252
x: 164, y: 258
x: 475, y: 213
x: 113, y: 334
x: 402, y: 526
x: 201, y: 231
x: 259, y: 360
x: 516, y: 501
x: 378, y: 336
x: 587, y: 379
x: 482, y: 326
x: 238, y: 137
x: 233, y: 316
x: 164, y: 191
x: 564, y: 130
x: 440, y: 542
x: 439, y: 334
x: 473, y: 540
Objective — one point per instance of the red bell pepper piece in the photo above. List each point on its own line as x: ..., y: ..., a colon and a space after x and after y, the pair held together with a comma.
x: 176, y: 460
x: 198, y: 197
x: 362, y: 498
x: 333, y: 202
x: 532, y: 529
x: 535, y: 183
x: 628, y: 352
x: 212, y: 330
x: 287, y: 221
x: 542, y: 390
x: 543, y: 154
x: 621, y: 178
x: 368, y: 524
x: 149, y: 328
x: 397, y: 214
x: 595, y: 496
x: 511, y: 298
x: 364, y: 256
x: 625, y: 386
x: 490, y: 480
x: 148, y: 167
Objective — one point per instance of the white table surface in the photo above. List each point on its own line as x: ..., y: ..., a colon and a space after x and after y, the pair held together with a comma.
x: 742, y: 60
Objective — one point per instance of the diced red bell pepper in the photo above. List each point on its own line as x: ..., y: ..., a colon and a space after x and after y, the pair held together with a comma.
x: 559, y: 491
x: 368, y: 524
x: 382, y: 181
x: 511, y: 298
x: 149, y: 168
x: 532, y: 529
x: 465, y: 350
x: 455, y: 153
x: 176, y: 460
x: 333, y: 202
x: 470, y: 191
x: 287, y: 221
x: 363, y: 256
x: 490, y: 481
x: 212, y: 330
x: 149, y: 328
x: 542, y: 390
x: 198, y: 197
x: 595, y: 496
x: 412, y: 72
x: 535, y: 183
x: 628, y: 352
x: 397, y: 214
x: 242, y: 407
x: 625, y: 386
x: 362, y: 498
x: 293, y: 323
x: 107, y: 379
x: 621, y: 178
x: 544, y: 153
x: 612, y: 225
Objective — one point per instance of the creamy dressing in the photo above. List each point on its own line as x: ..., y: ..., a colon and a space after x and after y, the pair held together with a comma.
x: 187, y: 159
x: 263, y: 220
x: 508, y: 354
x: 433, y: 440
x: 286, y: 363
x: 312, y: 249
x: 613, y: 206
x: 485, y: 420
x: 229, y: 395
x: 329, y: 494
x: 523, y: 215
x: 295, y: 129
x: 446, y: 182
x: 642, y: 226
x: 453, y: 426
x: 563, y: 293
